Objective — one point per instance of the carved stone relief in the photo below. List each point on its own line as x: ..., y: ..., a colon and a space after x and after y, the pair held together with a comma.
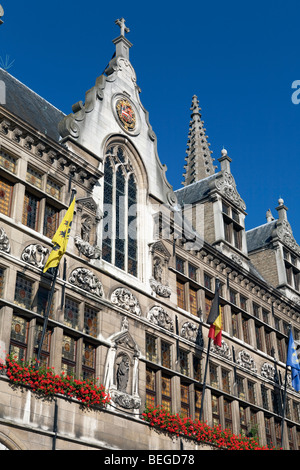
x: 121, y: 369
x: 245, y: 360
x: 222, y: 350
x: 160, y: 317
x: 123, y: 297
x: 285, y: 234
x: 35, y: 254
x: 4, y: 241
x: 86, y: 279
x: 192, y: 332
x: 268, y: 371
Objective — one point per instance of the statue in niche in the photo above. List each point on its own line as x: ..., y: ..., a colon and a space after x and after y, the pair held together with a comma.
x: 86, y: 227
x: 123, y: 374
x: 157, y: 270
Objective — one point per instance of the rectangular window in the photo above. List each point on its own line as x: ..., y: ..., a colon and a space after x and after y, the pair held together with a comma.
x: 197, y: 368
x: 208, y: 303
x: 180, y: 265
x: 150, y: 388
x: 90, y: 326
x: 71, y: 313
x: 42, y: 301
x: 23, y: 292
x: 251, y: 392
x: 192, y: 272
x: 215, y: 410
x: 227, y: 414
x: 180, y: 294
x: 207, y: 281
x: 6, y: 191
x: 18, y: 337
x: 51, y: 220
x: 256, y: 310
x: 243, y: 302
x: 225, y: 381
x: 45, y: 350
x: 184, y: 363
x: 264, y: 397
x: 232, y: 296
x: 151, y: 352
x: 34, y: 177
x: 185, y: 406
x: 88, y: 361
x: 1, y: 282
x: 258, y: 334
x: 53, y: 188
x: 166, y: 392
x: 245, y: 327
x: 198, y: 399
x: 213, y: 375
x: 235, y: 324
x: 165, y: 354
x: 69, y: 355
x: 240, y: 387
x: 193, y: 301
x: 30, y: 211
x: 8, y: 162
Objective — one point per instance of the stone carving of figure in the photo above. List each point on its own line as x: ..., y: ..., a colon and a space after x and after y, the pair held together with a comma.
x: 123, y: 374
x: 86, y: 230
x: 157, y: 270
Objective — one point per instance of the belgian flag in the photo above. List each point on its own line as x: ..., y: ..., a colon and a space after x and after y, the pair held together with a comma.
x: 215, y: 318
x: 61, y: 239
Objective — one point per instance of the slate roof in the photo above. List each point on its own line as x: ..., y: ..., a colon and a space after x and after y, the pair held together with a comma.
x: 30, y: 107
x: 261, y: 236
x: 195, y: 192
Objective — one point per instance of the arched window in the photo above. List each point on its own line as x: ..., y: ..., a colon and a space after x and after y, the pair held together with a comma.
x: 119, y: 236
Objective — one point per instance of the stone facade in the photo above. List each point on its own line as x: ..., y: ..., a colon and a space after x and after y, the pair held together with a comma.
x: 131, y: 311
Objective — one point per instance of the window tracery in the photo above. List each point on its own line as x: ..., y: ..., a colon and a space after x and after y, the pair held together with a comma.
x: 119, y: 234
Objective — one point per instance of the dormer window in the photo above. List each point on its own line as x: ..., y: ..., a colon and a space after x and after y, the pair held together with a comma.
x: 232, y: 227
x: 292, y: 270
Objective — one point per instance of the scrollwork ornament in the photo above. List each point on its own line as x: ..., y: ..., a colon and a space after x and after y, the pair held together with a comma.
x: 160, y: 317
x: 122, y: 297
x: 86, y: 280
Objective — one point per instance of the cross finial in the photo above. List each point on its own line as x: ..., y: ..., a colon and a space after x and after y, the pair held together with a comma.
x: 123, y: 28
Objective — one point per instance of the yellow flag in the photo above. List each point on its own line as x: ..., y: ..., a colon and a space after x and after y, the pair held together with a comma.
x: 61, y: 239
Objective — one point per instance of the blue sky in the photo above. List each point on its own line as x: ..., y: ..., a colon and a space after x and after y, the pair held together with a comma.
x: 239, y: 58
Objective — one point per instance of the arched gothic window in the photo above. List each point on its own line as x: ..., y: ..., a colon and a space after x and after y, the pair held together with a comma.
x: 119, y: 236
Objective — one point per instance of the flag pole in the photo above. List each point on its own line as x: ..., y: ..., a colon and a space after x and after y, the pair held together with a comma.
x: 284, y: 395
x: 47, y: 313
x: 50, y: 295
x: 204, y: 380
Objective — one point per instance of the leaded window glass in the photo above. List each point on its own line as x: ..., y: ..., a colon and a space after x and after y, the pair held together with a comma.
x: 90, y: 321
x: 23, y: 292
x: 120, y: 212
x: 107, y: 216
x: 53, y: 188
x: 34, y: 177
x: 51, y: 219
x: 8, y: 162
x: 18, y: 338
x: 151, y: 350
x: 88, y: 361
x: 68, y: 355
x: 30, y: 211
x: 71, y: 314
x: 6, y: 190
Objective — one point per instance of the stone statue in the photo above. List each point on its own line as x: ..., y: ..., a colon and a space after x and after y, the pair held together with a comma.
x: 123, y: 374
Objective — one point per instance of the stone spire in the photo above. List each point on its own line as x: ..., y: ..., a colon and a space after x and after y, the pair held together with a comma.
x: 199, y: 162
